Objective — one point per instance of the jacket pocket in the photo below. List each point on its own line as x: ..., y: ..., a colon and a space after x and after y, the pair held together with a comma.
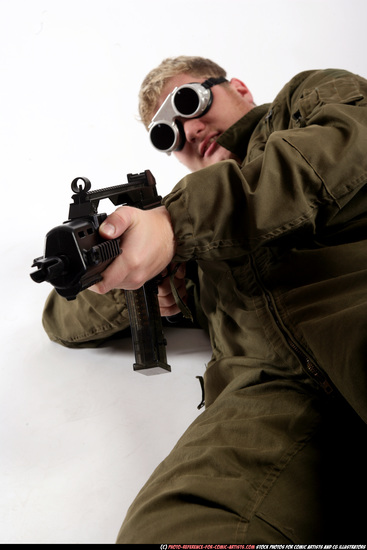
x: 344, y: 90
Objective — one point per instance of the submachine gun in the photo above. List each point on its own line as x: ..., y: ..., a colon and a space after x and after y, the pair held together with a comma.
x: 76, y: 255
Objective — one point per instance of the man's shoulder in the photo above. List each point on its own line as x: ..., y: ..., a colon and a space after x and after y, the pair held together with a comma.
x: 313, y: 78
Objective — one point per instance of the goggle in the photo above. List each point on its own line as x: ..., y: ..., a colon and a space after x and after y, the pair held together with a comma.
x: 191, y: 100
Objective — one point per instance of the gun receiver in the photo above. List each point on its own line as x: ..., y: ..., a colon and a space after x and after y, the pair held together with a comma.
x: 76, y: 255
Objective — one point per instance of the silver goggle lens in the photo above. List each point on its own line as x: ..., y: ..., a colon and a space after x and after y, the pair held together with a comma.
x: 166, y: 137
x: 189, y: 101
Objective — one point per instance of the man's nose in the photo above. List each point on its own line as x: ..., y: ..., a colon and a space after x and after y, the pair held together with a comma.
x: 193, y: 128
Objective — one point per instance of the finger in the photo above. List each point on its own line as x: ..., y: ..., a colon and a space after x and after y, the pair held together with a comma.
x: 168, y: 299
x: 169, y: 311
x: 117, y: 223
x: 181, y: 271
x: 164, y: 288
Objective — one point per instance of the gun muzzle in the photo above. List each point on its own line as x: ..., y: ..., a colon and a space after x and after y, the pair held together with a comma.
x: 48, y: 269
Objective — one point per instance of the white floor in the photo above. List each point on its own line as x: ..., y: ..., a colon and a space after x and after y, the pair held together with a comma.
x: 80, y: 432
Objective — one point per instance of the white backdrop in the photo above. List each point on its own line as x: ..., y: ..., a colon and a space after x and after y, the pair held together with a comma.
x: 79, y: 431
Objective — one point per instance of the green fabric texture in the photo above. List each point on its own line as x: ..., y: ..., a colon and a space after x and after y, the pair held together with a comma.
x: 279, y: 243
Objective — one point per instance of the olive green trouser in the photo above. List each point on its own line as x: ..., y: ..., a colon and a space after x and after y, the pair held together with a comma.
x: 270, y: 461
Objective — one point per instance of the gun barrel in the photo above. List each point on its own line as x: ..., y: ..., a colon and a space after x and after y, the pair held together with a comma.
x: 48, y: 269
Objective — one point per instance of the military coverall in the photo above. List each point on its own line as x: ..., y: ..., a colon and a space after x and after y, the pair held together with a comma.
x: 280, y: 245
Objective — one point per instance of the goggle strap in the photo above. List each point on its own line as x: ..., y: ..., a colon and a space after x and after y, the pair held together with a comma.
x: 213, y: 81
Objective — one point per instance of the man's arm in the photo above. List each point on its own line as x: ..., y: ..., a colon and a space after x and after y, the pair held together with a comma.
x: 301, y: 177
x: 87, y: 321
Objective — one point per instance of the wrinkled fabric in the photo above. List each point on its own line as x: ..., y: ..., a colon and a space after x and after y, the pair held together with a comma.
x: 290, y: 225
x: 279, y: 242
x: 87, y: 321
x: 280, y: 245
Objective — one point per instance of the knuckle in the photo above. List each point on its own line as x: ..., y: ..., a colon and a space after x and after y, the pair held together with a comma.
x: 136, y: 281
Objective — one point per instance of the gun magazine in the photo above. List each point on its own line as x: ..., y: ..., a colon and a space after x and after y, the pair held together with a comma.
x: 146, y: 329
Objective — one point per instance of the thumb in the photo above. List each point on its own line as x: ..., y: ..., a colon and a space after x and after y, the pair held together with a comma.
x: 117, y: 223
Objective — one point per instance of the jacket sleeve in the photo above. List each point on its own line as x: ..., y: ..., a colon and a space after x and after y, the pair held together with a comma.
x: 304, y: 176
x: 91, y: 318
x: 87, y: 321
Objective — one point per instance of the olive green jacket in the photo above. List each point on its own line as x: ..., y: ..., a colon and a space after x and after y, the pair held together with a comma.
x: 279, y: 241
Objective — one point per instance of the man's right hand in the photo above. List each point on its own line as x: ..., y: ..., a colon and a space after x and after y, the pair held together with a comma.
x: 147, y: 243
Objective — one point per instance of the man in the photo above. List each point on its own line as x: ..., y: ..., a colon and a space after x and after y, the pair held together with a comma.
x: 274, y: 217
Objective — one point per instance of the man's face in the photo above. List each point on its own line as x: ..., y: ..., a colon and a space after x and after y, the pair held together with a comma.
x: 231, y: 102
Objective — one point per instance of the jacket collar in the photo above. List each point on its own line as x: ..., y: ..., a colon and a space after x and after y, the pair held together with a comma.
x: 237, y: 137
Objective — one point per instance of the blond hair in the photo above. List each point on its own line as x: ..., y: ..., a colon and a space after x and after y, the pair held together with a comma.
x: 157, y: 78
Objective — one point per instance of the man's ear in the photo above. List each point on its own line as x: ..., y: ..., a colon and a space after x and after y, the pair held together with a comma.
x: 241, y: 88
